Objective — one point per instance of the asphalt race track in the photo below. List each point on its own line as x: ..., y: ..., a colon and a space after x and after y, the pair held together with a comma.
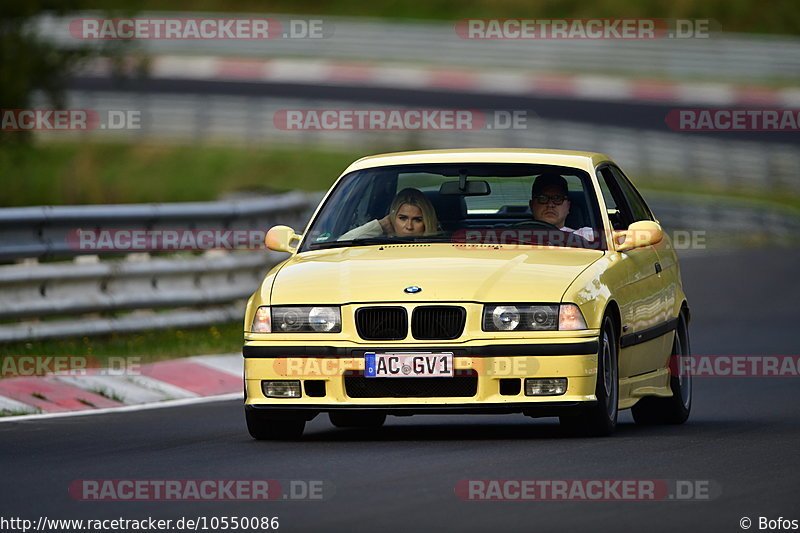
x: 742, y: 437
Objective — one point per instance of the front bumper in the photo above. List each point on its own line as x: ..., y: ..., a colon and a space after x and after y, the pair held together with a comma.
x: 494, y: 367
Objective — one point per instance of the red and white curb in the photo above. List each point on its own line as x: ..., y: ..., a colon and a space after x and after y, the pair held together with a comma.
x: 175, y: 382
x: 509, y: 82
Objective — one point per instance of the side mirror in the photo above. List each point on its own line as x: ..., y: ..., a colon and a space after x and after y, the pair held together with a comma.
x: 638, y: 235
x: 279, y: 238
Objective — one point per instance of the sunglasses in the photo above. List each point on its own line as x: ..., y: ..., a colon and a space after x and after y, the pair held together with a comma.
x: 557, y: 199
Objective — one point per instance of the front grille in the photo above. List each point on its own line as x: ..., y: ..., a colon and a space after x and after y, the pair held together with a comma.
x: 463, y: 385
x: 381, y: 323
x: 438, y: 322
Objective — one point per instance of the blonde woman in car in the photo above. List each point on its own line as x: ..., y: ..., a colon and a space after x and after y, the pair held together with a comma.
x: 410, y: 215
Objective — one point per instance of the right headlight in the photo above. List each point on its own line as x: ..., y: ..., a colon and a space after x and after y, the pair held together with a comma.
x: 297, y: 319
x: 543, y: 317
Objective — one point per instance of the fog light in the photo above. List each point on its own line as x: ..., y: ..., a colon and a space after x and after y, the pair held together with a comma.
x: 545, y: 386
x: 281, y: 389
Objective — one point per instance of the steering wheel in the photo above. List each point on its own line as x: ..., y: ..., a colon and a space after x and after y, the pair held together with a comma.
x: 569, y: 238
x: 541, y: 224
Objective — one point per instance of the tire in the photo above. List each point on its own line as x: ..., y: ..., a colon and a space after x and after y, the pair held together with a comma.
x: 600, y: 418
x: 357, y: 419
x: 675, y: 409
x: 262, y: 427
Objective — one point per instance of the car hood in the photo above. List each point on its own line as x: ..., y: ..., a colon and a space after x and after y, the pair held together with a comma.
x: 444, y: 272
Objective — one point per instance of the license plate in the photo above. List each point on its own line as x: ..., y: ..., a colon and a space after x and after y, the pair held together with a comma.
x: 408, y: 365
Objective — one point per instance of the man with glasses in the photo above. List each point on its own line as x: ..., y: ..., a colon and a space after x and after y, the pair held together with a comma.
x: 550, y: 203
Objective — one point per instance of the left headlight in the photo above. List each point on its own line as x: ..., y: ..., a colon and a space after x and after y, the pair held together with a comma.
x: 545, y: 317
x: 296, y: 319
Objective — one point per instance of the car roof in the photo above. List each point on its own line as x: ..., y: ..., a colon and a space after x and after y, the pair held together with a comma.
x: 568, y: 158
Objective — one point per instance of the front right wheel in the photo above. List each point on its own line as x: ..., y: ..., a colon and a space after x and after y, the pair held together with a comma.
x: 600, y: 419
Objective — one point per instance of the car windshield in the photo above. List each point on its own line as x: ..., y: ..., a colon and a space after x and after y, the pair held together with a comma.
x: 470, y: 203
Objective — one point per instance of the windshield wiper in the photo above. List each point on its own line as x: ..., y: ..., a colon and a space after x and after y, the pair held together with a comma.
x: 356, y: 242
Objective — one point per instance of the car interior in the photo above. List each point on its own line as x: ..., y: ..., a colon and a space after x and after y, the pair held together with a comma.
x: 452, y: 212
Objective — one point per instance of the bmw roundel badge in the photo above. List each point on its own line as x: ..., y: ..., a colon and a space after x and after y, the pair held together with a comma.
x: 412, y: 290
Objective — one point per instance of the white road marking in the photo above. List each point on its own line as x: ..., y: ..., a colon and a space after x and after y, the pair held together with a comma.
x: 127, y: 408
x: 9, y: 404
x: 229, y: 363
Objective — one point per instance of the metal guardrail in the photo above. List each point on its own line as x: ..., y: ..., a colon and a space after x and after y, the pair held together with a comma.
x: 721, y: 56
x: 141, y: 291
x: 41, y: 232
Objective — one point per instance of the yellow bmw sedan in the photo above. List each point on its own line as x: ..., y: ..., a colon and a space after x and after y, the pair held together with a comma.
x: 470, y: 281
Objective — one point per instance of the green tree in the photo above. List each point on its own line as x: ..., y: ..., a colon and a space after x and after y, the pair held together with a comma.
x: 30, y: 61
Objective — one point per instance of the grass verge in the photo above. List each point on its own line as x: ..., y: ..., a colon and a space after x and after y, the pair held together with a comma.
x: 75, y: 173
x: 146, y: 346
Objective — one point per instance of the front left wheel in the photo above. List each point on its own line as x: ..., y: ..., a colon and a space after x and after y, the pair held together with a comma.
x: 676, y: 408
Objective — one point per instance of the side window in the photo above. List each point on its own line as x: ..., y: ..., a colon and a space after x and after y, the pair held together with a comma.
x: 619, y: 213
x: 638, y: 206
